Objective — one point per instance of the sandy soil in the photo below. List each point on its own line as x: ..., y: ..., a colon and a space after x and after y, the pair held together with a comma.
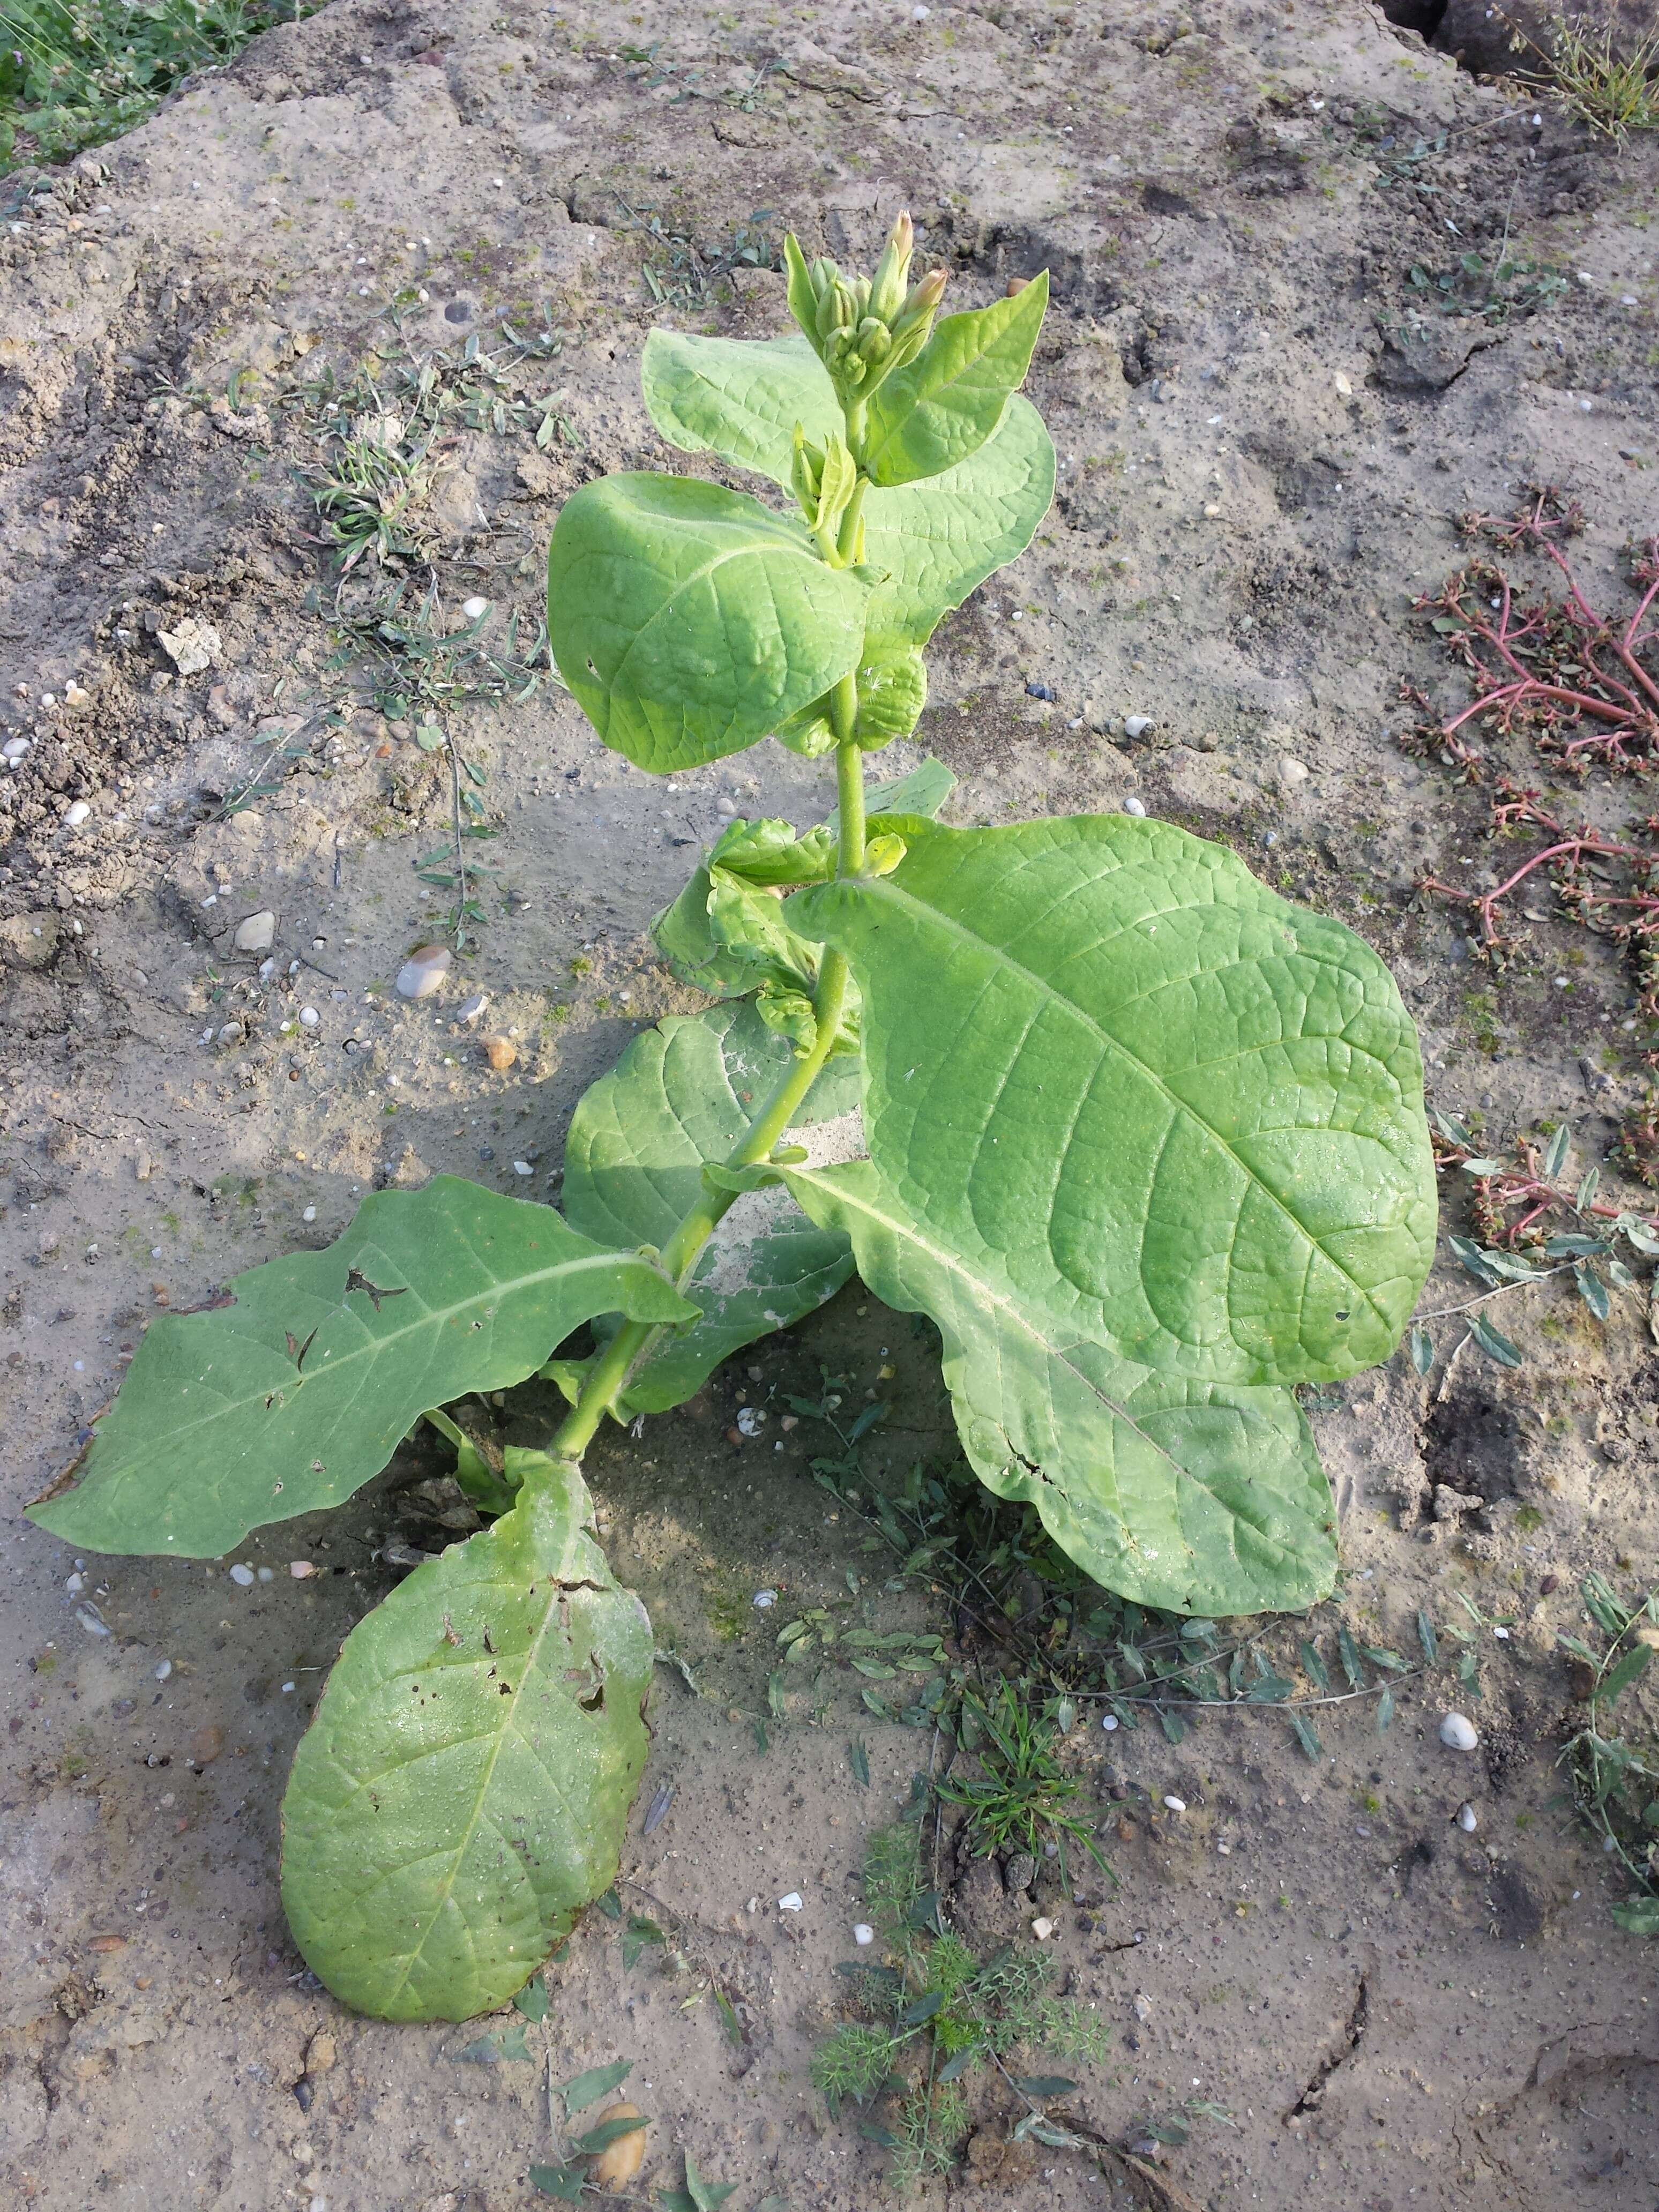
x: 1263, y: 461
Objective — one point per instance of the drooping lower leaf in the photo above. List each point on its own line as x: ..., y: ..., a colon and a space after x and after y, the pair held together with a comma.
x: 297, y: 1387
x: 1196, y: 1496
x: 1185, y: 1116
x: 683, y: 1094
x: 462, y: 1791
x: 689, y: 621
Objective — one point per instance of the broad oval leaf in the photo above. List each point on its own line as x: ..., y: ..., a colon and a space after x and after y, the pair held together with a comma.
x: 738, y: 398
x: 689, y: 621
x: 683, y: 1094
x: 1197, y: 1497
x: 462, y: 1791
x: 297, y: 1388
x: 945, y: 404
x: 935, y: 542
x: 1184, y: 1116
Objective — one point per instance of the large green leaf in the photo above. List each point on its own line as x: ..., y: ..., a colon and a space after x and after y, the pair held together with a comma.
x: 689, y: 621
x: 936, y: 541
x: 298, y: 1387
x: 945, y: 403
x: 462, y: 1791
x: 1194, y: 1495
x: 739, y: 398
x: 682, y: 1095
x: 1185, y: 1116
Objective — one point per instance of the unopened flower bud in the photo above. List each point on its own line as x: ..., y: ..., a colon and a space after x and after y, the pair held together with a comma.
x: 874, y: 341
x: 893, y: 271
x: 806, y: 473
x: 920, y: 302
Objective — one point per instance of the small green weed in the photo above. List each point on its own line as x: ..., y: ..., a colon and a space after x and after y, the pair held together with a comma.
x: 1022, y: 1798
x: 74, y: 73
x: 1613, y: 92
x: 931, y: 2011
x: 1615, y: 1768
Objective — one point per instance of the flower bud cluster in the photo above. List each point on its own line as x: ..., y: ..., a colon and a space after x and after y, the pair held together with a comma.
x: 863, y: 328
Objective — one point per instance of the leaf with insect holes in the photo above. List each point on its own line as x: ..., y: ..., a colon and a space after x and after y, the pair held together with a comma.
x: 942, y: 406
x: 738, y: 398
x: 462, y: 1791
x: 299, y: 1387
x: 1180, y: 1116
x: 682, y: 1095
x: 689, y: 621
x: 1200, y: 1497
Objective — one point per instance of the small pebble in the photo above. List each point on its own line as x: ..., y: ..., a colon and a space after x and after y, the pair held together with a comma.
x: 309, y: 1017
x: 267, y: 1574
x: 864, y: 1934
x: 231, y: 1033
x: 77, y: 815
x: 256, y: 933
x: 310, y: 1214
x: 475, y: 608
x: 242, y: 1577
x: 1175, y: 1804
x: 791, y: 1902
x: 1457, y: 1732
x: 299, y: 1569
x: 1042, y: 1929
x: 523, y: 1168
x: 13, y: 750
x: 470, y: 1009
x: 1467, y: 1819
x: 424, y: 972
x: 1136, y: 725
x: 164, y: 1670
x: 1109, y: 1723
x: 750, y: 1420
x: 1039, y: 691
x: 501, y: 1052
x: 1133, y: 805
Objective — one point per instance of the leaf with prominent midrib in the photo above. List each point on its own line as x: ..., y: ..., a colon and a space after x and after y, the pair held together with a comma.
x: 297, y: 1388
x: 689, y: 621
x: 463, y: 1790
x: 684, y: 1094
x: 927, y: 417
x: 1193, y: 1495
x: 1183, y: 1116
x: 739, y: 398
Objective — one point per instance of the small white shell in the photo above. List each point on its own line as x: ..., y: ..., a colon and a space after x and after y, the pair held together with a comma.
x: 1467, y: 1819
x: 1458, y: 1733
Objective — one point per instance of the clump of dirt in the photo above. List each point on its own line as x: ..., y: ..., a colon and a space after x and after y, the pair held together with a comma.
x: 1275, y: 381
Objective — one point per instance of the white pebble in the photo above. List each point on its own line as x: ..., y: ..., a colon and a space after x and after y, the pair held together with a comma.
x: 1109, y: 1723
x: 470, y: 1009
x: 1457, y: 1732
x: 309, y: 1017
x: 1042, y: 1929
x: 310, y: 1214
x: 75, y: 1584
x: 522, y: 1168
x: 256, y: 933
x: 164, y: 1670
x: 299, y: 1569
x: 1175, y: 1804
x: 423, y: 971
x: 1136, y: 725
x: 791, y: 1903
x: 1133, y: 805
x: 1467, y: 1819
x: 267, y: 1574
x: 90, y: 1621
x: 242, y: 1577
x: 287, y: 1689
x: 863, y: 1934
x: 77, y: 815
x: 474, y: 610
x: 14, y: 749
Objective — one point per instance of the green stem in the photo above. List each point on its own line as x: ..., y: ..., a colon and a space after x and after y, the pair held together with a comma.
x: 610, y: 1373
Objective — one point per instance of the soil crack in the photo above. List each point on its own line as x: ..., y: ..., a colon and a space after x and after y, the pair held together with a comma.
x: 1353, y: 2028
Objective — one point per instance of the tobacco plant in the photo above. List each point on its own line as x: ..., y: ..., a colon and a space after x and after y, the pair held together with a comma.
x: 1145, y: 1143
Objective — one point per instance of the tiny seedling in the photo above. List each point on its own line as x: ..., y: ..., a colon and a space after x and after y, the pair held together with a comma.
x: 1145, y: 1143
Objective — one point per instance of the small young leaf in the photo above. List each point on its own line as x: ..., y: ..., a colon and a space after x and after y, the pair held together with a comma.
x: 1384, y: 1710
x: 1587, y: 1189
x: 1556, y: 1157
x: 859, y: 1759
x: 1474, y: 1261
x: 639, y: 1935
x: 564, y: 2182
x: 1305, y: 1736
x: 1422, y: 1349
x: 955, y: 2068
x: 1348, y: 1652
x: 598, y: 2082
x: 1639, y: 1916
x: 947, y: 403
x: 1592, y: 1290
x: 1042, y: 2086
x: 1315, y: 1668
x: 532, y: 2000
x: 600, y: 2138
x: 1426, y: 1637
x: 1494, y: 1343
x: 1619, y: 1677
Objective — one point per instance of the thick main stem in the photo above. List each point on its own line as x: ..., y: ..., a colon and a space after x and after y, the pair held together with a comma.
x: 610, y: 1373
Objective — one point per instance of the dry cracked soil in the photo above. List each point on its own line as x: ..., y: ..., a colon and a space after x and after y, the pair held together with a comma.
x: 1275, y: 380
